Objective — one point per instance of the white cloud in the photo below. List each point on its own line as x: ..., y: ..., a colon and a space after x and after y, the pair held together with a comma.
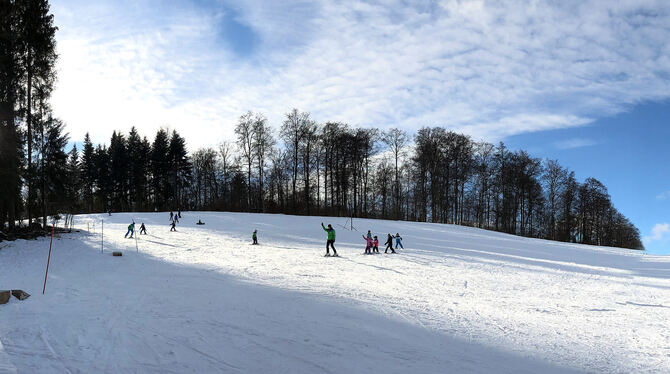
x: 663, y: 196
x: 489, y: 69
x: 658, y: 232
x: 574, y: 143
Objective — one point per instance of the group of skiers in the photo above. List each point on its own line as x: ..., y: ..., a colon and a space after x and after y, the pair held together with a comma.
x: 371, y: 246
x: 131, y: 230
x: 371, y: 242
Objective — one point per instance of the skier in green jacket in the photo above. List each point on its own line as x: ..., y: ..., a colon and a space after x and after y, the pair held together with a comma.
x: 131, y: 230
x: 330, y: 239
x: 253, y: 236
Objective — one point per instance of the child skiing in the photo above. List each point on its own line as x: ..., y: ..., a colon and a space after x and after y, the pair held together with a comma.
x: 389, y: 244
x: 172, y: 226
x: 131, y: 230
x: 330, y: 239
x: 171, y: 216
x: 398, y: 241
x: 143, y: 229
x: 368, y: 244
x: 375, y: 245
x: 253, y: 236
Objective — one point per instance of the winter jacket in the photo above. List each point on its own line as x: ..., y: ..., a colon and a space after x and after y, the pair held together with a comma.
x: 368, y: 241
x: 331, y: 232
x: 389, y: 240
x: 253, y: 235
x: 376, y: 243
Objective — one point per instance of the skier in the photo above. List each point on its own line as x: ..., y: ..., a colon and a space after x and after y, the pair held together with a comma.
x: 176, y: 218
x: 171, y: 216
x: 398, y: 241
x: 253, y: 236
x: 330, y: 239
x: 199, y: 222
x: 172, y: 226
x: 375, y: 247
x: 369, y: 234
x: 368, y: 244
x: 179, y: 213
x: 131, y: 230
x: 389, y: 244
x: 143, y: 229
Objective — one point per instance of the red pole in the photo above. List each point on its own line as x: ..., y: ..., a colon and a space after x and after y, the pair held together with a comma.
x: 48, y: 260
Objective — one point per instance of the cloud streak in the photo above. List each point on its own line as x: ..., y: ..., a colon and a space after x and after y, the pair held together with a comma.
x: 489, y: 69
x: 658, y: 232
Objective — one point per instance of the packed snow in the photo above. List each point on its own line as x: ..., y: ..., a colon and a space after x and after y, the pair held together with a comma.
x: 202, y: 299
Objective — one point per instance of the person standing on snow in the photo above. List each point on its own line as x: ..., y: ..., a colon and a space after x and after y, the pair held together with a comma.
x: 254, y: 237
x: 330, y: 239
x: 179, y: 213
x: 389, y: 244
x: 143, y: 229
x: 131, y: 230
x: 172, y: 226
x: 375, y: 245
x: 171, y: 216
x: 398, y: 241
x: 369, y: 234
x: 368, y: 244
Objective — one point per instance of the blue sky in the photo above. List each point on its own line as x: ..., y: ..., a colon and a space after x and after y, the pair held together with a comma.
x: 585, y: 82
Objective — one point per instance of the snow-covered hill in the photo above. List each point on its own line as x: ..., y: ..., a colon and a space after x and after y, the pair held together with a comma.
x: 202, y: 299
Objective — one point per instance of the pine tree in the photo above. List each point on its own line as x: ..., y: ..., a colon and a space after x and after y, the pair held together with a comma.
x: 73, y: 186
x: 138, y: 157
x: 103, y: 180
x: 88, y: 172
x: 119, y: 171
x: 180, y: 168
x: 54, y: 170
x: 11, y: 147
x: 37, y: 47
x: 160, y: 168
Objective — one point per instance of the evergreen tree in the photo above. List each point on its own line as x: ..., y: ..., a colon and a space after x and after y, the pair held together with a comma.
x: 11, y: 147
x: 88, y: 172
x: 119, y: 160
x: 180, y: 168
x: 103, y: 180
x: 54, y: 170
x: 74, y: 185
x: 138, y: 169
x: 160, y: 168
x: 37, y: 47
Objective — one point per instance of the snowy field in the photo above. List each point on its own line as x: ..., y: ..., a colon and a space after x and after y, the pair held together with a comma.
x: 202, y: 300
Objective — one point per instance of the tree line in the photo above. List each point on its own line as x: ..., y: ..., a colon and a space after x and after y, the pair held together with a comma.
x: 305, y: 168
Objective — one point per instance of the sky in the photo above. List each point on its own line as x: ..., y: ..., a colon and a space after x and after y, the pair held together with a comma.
x: 584, y: 82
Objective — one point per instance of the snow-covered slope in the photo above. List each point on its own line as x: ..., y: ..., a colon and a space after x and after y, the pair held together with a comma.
x: 202, y: 299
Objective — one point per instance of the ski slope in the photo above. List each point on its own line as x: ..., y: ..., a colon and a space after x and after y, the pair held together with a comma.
x: 202, y: 299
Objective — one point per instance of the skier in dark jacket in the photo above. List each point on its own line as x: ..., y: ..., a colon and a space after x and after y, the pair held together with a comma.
x: 171, y: 216
x: 143, y: 229
x: 330, y: 239
x: 172, y: 226
x: 254, y: 237
x: 389, y: 244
